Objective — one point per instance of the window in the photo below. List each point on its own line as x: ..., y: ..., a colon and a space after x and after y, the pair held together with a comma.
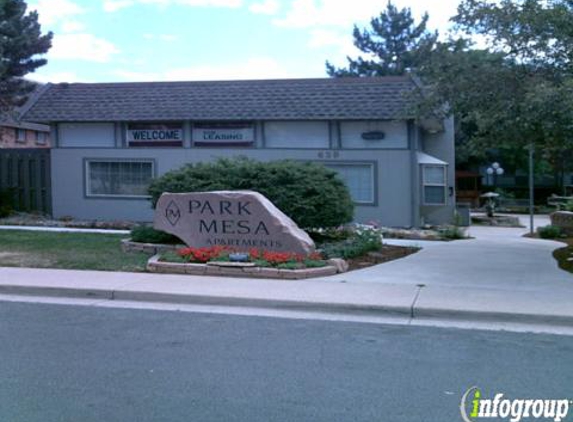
x: 297, y: 134
x: 434, y: 184
x: 41, y: 138
x: 118, y: 178
x: 20, y: 135
x: 359, y: 179
x: 86, y: 135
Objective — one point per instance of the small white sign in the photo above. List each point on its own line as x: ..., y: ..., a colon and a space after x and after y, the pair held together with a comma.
x: 223, y: 135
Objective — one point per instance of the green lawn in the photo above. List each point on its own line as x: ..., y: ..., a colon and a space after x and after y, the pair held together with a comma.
x: 21, y: 248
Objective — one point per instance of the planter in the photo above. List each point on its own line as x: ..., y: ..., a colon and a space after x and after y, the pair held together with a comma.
x: 241, y: 269
x: 127, y: 245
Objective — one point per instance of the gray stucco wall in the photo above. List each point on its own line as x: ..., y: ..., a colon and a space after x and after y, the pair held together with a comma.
x: 392, y: 179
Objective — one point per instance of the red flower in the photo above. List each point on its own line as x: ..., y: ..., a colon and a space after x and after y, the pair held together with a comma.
x: 202, y: 254
x: 315, y: 256
x: 254, y: 253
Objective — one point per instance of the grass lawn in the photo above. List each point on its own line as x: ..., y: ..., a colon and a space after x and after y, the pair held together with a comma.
x: 564, y: 256
x: 79, y: 251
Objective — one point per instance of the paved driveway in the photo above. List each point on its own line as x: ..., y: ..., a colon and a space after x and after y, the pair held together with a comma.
x: 497, y: 258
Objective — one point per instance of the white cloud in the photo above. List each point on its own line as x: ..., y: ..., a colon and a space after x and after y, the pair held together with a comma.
x: 57, y: 77
x: 137, y: 76
x: 253, y: 68
x: 115, y: 5
x: 72, y: 26
x: 55, y: 11
x: 440, y: 11
x: 214, y: 3
x: 161, y: 37
x: 266, y: 7
x: 83, y: 46
x: 328, y: 38
x: 310, y: 13
x: 315, y: 13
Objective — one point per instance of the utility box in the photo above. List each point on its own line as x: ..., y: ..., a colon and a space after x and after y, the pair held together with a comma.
x: 463, y: 210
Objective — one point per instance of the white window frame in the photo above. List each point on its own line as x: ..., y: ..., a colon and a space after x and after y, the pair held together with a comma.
x: 429, y: 184
x: 87, y: 163
x: 372, y: 201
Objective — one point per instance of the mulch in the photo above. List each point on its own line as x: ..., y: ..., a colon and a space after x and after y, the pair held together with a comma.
x: 385, y: 254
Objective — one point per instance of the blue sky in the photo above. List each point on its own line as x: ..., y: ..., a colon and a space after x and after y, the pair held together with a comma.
x: 145, y: 40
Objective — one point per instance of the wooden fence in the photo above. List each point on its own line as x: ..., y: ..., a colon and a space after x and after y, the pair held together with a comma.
x: 25, y: 179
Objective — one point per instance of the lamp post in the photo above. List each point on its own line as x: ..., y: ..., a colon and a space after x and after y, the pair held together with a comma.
x: 495, y: 170
x: 531, y: 149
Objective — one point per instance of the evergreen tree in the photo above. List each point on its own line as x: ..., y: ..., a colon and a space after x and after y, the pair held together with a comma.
x: 21, y: 41
x: 395, y: 43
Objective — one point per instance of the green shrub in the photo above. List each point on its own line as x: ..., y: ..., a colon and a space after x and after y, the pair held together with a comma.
x: 362, y: 241
x: 289, y: 266
x: 568, y: 206
x: 309, y: 193
x: 312, y: 263
x: 452, y: 233
x: 147, y: 234
x: 331, y: 234
x: 549, y: 232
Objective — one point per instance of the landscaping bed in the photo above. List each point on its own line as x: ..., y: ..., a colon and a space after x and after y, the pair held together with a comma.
x: 385, y: 254
x: 241, y: 269
x: 564, y: 256
x: 103, y: 252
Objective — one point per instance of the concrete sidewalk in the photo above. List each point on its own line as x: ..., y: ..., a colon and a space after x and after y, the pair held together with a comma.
x: 319, y: 295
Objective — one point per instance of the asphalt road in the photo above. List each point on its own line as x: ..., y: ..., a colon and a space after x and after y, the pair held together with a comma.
x: 84, y: 364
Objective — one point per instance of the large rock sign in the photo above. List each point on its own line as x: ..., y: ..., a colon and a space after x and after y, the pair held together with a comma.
x: 241, y: 220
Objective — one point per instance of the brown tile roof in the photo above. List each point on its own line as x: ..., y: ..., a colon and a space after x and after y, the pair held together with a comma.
x: 286, y: 99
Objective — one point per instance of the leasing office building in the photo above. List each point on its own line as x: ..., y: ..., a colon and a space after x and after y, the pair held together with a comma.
x: 110, y: 139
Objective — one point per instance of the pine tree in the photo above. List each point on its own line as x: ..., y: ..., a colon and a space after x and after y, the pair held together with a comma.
x: 395, y: 43
x: 21, y: 42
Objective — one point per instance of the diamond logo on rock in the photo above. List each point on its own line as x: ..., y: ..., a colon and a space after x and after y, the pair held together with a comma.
x: 172, y: 213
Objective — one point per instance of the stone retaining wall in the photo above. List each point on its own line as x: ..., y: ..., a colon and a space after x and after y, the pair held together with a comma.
x: 563, y: 220
x: 246, y: 270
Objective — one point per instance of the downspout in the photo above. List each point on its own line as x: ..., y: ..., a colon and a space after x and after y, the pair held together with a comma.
x: 413, y: 145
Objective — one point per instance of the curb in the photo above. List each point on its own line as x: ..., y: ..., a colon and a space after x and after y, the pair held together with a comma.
x: 197, y: 299
x: 56, y: 292
x: 492, y: 316
x: 410, y: 312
